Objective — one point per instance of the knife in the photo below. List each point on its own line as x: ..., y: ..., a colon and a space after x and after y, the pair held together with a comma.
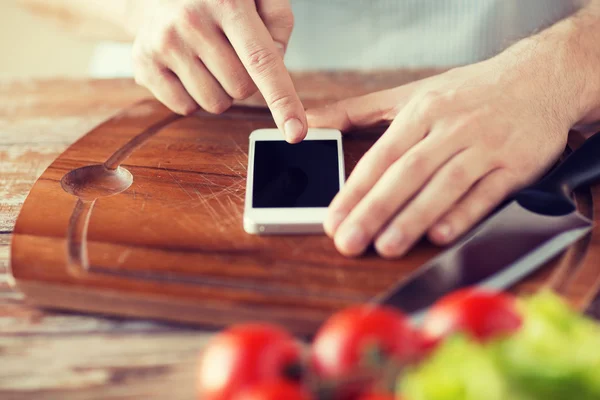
x: 539, y: 223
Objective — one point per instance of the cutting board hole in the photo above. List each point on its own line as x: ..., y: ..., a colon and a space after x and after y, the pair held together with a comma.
x: 95, y: 181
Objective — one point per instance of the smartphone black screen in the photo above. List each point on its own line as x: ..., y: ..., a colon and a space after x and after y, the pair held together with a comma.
x: 304, y: 174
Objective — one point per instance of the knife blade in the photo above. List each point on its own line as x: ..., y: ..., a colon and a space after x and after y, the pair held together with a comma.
x: 538, y: 224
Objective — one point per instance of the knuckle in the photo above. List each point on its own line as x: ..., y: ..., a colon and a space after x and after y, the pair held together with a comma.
x: 281, y: 101
x: 475, y: 209
x: 490, y: 193
x: 485, y: 111
x: 243, y: 90
x: 465, y: 213
x: 460, y: 125
x: 458, y: 173
x: 218, y: 106
x: 261, y: 60
x: 418, y: 221
x: 494, y: 138
x: 374, y: 157
x: 379, y: 210
x: 189, y: 17
x: 286, y: 19
x: 166, y: 41
x: 232, y: 11
x: 415, y: 163
x: 479, y: 206
x: 183, y: 107
x: 357, y: 182
x: 450, y: 95
x: 283, y: 18
x: 226, y: 3
x: 431, y: 102
x: 420, y: 216
x: 392, y: 154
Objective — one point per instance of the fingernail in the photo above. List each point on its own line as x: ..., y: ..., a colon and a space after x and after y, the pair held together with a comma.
x: 390, y: 241
x: 351, y: 239
x: 293, y: 130
x: 332, y: 222
x: 444, y: 231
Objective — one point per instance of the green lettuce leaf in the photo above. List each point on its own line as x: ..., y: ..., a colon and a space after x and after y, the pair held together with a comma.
x: 460, y: 369
x: 556, y: 353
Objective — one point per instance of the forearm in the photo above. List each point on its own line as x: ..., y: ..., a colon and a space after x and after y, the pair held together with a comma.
x: 564, y: 62
x: 101, y: 19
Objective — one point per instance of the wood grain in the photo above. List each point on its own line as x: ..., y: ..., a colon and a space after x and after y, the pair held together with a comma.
x: 38, y: 120
x: 159, y: 366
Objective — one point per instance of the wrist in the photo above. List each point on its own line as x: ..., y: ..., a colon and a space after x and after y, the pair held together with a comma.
x: 561, y: 66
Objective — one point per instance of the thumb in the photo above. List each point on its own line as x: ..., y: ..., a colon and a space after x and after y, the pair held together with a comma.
x: 361, y: 111
x: 278, y: 18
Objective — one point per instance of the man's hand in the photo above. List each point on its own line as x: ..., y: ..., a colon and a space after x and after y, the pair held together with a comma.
x: 206, y: 53
x: 458, y: 144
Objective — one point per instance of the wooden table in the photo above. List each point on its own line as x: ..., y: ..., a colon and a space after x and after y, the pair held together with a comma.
x: 52, y: 355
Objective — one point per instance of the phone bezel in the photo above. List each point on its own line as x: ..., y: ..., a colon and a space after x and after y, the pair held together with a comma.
x: 293, y: 220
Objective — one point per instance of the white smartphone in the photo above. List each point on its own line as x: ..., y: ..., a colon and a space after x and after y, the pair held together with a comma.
x: 290, y: 186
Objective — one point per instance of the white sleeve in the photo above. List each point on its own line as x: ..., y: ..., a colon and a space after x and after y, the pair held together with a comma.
x: 111, y: 60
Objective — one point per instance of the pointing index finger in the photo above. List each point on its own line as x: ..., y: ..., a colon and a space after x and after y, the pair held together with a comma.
x: 257, y: 51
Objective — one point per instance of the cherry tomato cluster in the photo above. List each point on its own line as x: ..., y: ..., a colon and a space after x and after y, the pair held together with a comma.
x: 357, y: 353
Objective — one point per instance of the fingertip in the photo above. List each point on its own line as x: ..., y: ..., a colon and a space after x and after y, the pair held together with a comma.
x: 351, y: 240
x: 329, y: 229
x: 295, y: 140
x: 387, y: 254
x: 392, y: 243
x: 441, y: 234
x: 332, y: 221
x: 347, y: 251
x: 294, y: 130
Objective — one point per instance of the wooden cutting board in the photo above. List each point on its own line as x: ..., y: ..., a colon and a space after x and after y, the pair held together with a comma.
x: 142, y: 217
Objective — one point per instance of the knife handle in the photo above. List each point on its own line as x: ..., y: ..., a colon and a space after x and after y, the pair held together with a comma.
x: 579, y: 168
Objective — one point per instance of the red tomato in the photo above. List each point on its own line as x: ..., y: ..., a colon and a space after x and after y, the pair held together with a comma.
x: 279, y: 390
x: 426, y: 344
x: 344, y: 341
x: 243, y: 356
x: 482, y: 314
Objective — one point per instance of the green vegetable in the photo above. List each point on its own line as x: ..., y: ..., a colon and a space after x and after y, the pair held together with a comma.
x: 459, y: 369
x: 554, y: 356
x: 556, y: 353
